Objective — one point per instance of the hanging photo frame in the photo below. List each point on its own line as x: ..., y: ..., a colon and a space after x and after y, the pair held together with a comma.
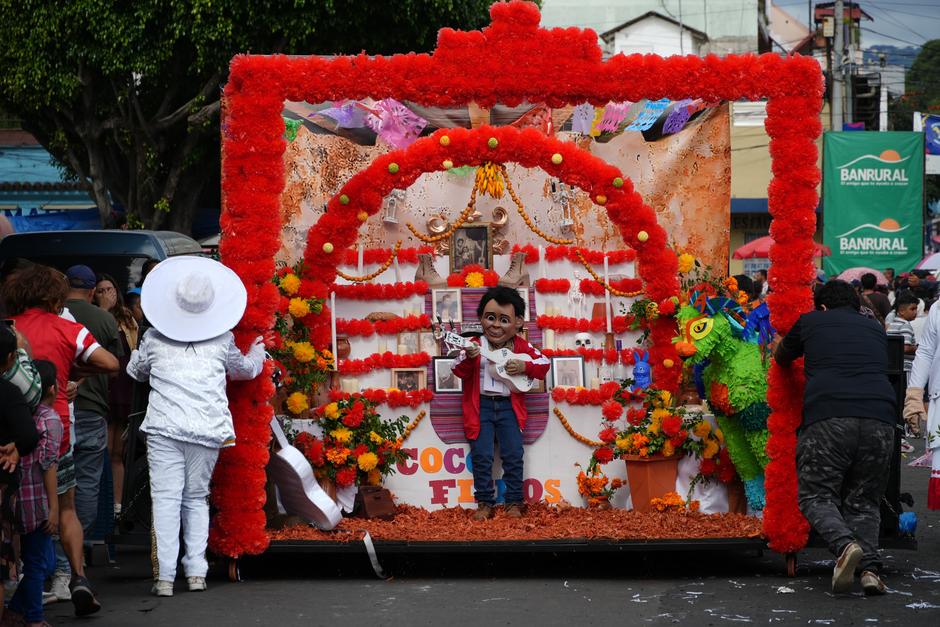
x: 471, y: 244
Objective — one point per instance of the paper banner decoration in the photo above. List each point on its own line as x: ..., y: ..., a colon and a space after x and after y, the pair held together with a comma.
x: 678, y: 117
x: 290, y: 128
x: 614, y: 113
x: 581, y: 118
x: 347, y: 114
x: 395, y: 123
x: 598, y: 115
x: 539, y: 117
x: 648, y: 116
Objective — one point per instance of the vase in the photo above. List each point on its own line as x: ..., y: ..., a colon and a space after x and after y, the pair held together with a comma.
x: 650, y: 478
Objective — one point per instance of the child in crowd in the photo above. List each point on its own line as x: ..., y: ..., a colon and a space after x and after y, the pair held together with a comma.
x: 491, y: 410
x: 191, y: 303
x: 905, y: 310
x: 37, y: 504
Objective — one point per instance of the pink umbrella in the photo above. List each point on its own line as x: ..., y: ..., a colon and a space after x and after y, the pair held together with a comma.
x: 856, y: 273
x: 760, y: 249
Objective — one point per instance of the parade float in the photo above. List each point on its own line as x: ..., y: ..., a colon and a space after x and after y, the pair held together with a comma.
x: 599, y: 189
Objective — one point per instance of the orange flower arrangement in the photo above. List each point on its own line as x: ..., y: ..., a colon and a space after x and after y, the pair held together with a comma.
x: 672, y: 502
x: 594, y: 486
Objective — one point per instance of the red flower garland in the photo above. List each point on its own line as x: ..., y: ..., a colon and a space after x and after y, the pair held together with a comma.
x: 471, y: 67
x: 406, y: 256
x: 593, y: 354
x: 585, y: 396
x: 381, y: 291
x: 552, y: 286
x: 392, y: 398
x: 563, y: 324
x: 378, y: 361
x: 364, y: 328
x: 560, y: 253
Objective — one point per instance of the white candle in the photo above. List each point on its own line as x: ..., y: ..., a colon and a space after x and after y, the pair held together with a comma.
x: 610, y: 322
x: 595, y: 383
x: 542, y: 266
x: 397, y: 270
x: 361, y: 257
x: 333, y: 326
x: 402, y: 349
x: 549, y: 339
x: 383, y: 346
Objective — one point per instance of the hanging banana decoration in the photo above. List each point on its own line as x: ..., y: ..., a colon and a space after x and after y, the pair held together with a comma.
x: 489, y: 179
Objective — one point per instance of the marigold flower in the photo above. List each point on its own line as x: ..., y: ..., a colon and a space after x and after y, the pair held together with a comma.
x: 711, y: 449
x: 337, y: 456
x: 341, y: 435
x: 604, y: 454
x: 608, y: 435
x: 331, y: 411
x: 702, y: 428
x: 297, y: 403
x: 623, y: 443
x: 718, y: 434
x: 668, y: 450
x: 303, y: 352
x: 367, y: 461
x: 289, y: 284
x: 298, y: 307
x: 611, y: 410
x: 686, y: 263
x: 474, y: 279
x: 375, y: 477
x: 375, y: 437
x: 345, y: 477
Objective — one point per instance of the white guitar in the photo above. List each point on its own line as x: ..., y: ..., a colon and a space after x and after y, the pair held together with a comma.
x: 497, y: 359
x: 298, y: 490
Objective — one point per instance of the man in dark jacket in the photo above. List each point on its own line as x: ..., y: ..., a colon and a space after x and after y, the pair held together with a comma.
x: 844, y: 443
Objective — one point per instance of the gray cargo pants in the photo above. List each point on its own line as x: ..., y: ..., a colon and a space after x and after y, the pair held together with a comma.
x: 842, y: 471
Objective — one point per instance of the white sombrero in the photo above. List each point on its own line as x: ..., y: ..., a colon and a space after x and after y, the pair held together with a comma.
x: 191, y: 299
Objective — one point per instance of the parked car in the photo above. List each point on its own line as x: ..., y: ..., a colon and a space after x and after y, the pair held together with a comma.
x: 121, y: 254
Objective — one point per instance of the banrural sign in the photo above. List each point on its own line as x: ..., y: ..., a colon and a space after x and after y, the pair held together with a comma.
x: 873, y: 200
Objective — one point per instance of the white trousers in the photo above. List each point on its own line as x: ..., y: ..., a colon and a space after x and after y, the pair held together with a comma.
x: 179, y: 489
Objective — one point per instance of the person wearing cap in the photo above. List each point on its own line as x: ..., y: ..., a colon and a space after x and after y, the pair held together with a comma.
x: 35, y: 299
x: 192, y: 304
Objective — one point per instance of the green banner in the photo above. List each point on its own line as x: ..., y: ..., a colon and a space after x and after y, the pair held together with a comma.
x: 873, y: 200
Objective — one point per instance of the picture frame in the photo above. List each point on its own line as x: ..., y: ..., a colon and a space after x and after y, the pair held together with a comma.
x: 411, y: 340
x: 446, y: 305
x: 409, y: 379
x: 524, y: 293
x: 445, y: 381
x: 427, y: 343
x: 568, y: 371
x: 471, y: 244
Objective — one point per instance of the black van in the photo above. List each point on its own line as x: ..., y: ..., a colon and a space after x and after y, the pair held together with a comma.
x: 119, y: 253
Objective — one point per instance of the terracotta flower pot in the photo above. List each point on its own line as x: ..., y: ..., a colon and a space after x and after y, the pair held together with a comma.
x: 650, y: 478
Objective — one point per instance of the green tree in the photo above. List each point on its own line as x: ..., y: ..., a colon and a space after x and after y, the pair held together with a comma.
x: 125, y: 95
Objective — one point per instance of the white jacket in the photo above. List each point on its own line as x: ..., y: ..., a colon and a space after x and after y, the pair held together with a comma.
x: 187, y: 396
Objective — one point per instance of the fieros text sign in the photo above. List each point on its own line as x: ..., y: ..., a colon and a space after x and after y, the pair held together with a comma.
x: 873, y: 199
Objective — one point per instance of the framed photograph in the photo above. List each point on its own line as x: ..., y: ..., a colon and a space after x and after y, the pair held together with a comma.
x: 445, y: 304
x: 524, y: 293
x: 445, y: 381
x: 428, y: 344
x: 470, y: 244
x: 409, y: 379
x: 410, y: 341
x: 568, y: 372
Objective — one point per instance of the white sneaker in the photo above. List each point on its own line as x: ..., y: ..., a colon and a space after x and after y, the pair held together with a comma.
x: 162, y: 588
x: 196, y: 584
x: 48, y: 597
x: 60, y: 586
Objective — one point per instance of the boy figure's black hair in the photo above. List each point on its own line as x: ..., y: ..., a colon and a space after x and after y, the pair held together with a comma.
x: 47, y: 373
x: 503, y: 296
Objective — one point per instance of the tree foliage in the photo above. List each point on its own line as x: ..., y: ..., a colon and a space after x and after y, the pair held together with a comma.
x: 125, y: 95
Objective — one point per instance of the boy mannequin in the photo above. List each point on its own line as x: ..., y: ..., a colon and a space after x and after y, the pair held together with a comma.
x: 491, y: 411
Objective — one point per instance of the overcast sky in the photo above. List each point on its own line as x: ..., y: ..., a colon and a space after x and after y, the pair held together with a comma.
x: 895, y: 22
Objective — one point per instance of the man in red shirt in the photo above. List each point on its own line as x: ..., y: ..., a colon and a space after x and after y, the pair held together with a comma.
x: 34, y: 300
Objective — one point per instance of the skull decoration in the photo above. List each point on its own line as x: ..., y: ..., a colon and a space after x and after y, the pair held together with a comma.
x: 583, y: 340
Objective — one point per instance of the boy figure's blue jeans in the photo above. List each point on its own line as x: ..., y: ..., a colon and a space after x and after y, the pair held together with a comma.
x: 38, y: 564
x: 497, y: 422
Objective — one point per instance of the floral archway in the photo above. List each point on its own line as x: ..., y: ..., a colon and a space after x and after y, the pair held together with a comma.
x: 558, y: 67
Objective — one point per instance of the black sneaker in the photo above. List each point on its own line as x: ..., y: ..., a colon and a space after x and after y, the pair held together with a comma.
x: 83, y: 597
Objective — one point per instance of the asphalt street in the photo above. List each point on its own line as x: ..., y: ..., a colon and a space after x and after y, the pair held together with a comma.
x: 693, y: 587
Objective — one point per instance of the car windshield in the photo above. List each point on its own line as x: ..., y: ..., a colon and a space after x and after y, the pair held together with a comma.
x: 125, y: 269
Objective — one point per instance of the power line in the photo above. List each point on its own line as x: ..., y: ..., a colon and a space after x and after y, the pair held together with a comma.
x: 871, y: 30
x: 897, y: 23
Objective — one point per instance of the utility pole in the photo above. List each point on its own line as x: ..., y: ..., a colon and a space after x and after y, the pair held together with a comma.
x: 850, y: 70
x: 836, y: 104
x: 883, y: 96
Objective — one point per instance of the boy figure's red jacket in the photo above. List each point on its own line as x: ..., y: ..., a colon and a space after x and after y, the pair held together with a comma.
x: 469, y: 371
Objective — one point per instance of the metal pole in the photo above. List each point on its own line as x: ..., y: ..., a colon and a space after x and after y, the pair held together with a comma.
x: 837, y: 104
x: 883, y: 104
x: 681, y: 31
x: 850, y: 69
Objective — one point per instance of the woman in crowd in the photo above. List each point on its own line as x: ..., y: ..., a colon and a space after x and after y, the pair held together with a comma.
x: 109, y: 298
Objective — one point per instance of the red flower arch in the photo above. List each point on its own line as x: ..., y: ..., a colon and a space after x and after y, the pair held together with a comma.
x: 511, y: 61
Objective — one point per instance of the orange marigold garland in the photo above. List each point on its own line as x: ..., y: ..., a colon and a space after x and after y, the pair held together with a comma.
x: 372, y: 275
x: 580, y: 438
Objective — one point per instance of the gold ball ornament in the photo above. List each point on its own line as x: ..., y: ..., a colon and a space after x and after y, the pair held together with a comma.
x: 557, y: 158
x: 362, y: 216
x: 444, y: 140
x: 601, y: 199
x: 393, y: 168
x: 448, y: 164
x: 327, y: 248
x: 668, y: 363
x: 343, y: 199
x: 492, y: 142
x: 618, y: 182
x: 642, y: 236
